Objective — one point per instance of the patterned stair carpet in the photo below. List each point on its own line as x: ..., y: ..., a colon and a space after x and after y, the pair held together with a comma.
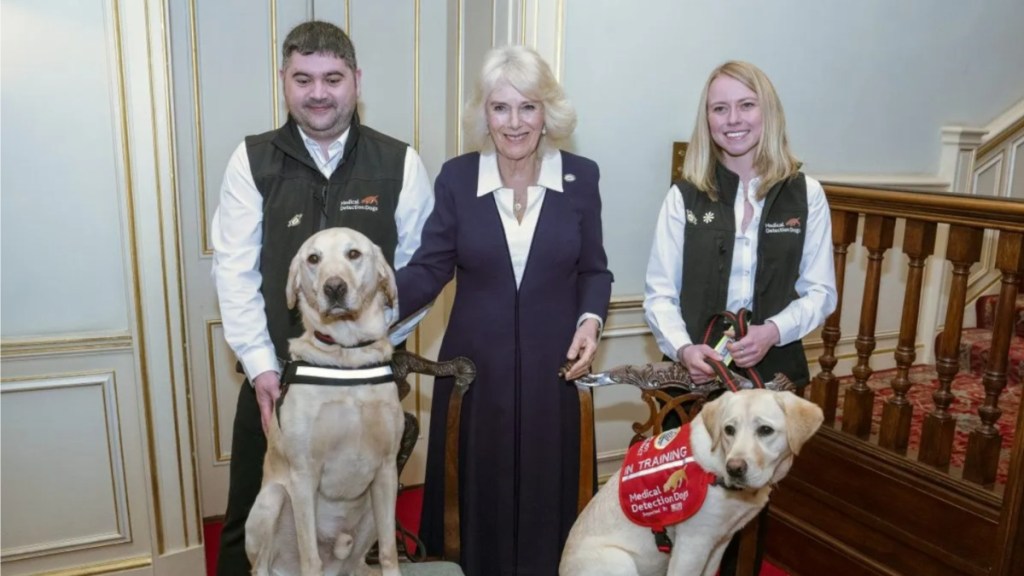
x: 969, y: 395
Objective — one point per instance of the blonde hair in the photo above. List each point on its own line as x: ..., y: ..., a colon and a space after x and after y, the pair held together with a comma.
x: 525, y: 70
x: 773, y: 160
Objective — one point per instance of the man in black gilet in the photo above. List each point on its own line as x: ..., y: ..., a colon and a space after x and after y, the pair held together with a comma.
x: 321, y: 169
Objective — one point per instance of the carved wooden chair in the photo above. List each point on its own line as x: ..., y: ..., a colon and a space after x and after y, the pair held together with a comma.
x: 403, y: 364
x: 665, y: 388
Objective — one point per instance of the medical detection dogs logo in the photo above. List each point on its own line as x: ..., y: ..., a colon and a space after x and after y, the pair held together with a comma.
x: 367, y: 203
x: 660, y: 483
x: 790, y: 226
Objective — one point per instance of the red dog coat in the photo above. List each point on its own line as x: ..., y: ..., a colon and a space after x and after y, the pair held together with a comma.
x: 660, y: 483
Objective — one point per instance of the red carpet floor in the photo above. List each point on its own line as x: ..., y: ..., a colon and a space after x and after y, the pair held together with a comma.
x: 410, y: 501
x: 969, y: 394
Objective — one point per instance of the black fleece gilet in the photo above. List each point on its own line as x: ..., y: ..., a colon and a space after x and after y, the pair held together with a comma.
x: 298, y: 201
x: 707, y: 262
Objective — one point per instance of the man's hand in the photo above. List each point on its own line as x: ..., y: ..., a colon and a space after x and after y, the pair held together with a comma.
x: 692, y: 356
x: 583, y: 349
x: 268, y: 389
x: 749, y: 350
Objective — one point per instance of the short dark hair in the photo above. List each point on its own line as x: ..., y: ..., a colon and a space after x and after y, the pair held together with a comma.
x: 318, y: 37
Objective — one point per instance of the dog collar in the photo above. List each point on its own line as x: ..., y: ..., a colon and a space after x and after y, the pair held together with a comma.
x: 326, y: 339
x: 304, y: 373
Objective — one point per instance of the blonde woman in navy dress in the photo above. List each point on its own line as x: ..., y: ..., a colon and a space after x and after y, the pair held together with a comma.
x: 519, y: 224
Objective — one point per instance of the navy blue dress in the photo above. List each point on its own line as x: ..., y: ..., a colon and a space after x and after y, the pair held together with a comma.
x: 519, y: 454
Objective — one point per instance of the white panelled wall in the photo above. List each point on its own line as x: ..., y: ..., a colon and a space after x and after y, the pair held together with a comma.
x: 97, y: 465
x: 118, y: 391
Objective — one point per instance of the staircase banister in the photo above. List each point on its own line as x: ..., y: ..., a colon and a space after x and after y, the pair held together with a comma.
x: 942, y: 207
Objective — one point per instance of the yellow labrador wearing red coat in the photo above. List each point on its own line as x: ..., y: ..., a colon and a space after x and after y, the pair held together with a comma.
x: 330, y: 478
x: 746, y: 438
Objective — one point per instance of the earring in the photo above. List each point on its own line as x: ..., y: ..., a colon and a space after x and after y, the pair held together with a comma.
x: 543, y: 130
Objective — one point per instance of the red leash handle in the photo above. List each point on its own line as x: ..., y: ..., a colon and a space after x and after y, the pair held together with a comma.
x: 721, y: 324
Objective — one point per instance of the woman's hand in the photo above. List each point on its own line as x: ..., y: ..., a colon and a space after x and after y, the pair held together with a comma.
x: 583, y: 349
x: 692, y: 356
x: 749, y: 350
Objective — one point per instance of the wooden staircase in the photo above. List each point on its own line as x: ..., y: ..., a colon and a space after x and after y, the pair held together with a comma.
x: 976, y: 342
x: 861, y: 503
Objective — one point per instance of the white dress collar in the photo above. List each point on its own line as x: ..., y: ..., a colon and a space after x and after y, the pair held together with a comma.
x: 550, y: 176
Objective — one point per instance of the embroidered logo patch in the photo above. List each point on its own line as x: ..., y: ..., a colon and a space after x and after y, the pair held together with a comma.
x: 789, y: 226
x: 295, y: 220
x: 660, y: 483
x: 366, y: 203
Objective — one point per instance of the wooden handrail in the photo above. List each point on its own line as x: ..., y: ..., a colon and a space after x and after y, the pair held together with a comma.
x: 977, y: 211
x: 968, y: 218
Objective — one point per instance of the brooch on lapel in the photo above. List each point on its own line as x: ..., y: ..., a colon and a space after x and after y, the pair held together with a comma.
x: 690, y: 217
x: 709, y: 217
x: 570, y: 177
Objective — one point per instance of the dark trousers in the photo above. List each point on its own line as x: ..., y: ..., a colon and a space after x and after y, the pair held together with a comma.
x: 248, y: 447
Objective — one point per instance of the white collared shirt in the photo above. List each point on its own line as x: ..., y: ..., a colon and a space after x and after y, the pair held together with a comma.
x: 816, y: 285
x: 326, y: 164
x: 237, y: 235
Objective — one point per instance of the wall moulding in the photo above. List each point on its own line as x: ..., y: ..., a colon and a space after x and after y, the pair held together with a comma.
x: 114, y: 566
x: 93, y: 397
x: 72, y: 344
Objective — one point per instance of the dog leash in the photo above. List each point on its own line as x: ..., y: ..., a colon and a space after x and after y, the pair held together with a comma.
x: 721, y: 324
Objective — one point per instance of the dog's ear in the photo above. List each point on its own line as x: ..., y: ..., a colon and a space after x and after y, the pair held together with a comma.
x: 711, y: 413
x: 803, y: 418
x: 291, y: 289
x: 385, y: 278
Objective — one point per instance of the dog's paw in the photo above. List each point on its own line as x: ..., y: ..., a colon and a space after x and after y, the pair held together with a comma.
x: 365, y: 570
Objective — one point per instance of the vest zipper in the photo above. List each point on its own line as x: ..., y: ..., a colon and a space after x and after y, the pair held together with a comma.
x: 323, y: 208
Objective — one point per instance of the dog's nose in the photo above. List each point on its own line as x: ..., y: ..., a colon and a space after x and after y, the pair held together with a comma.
x: 335, y: 289
x: 736, y: 467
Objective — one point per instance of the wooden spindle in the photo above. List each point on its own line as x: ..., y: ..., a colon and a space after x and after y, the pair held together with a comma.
x: 857, y: 404
x: 918, y: 245
x: 962, y: 249
x: 825, y: 387
x: 985, y: 441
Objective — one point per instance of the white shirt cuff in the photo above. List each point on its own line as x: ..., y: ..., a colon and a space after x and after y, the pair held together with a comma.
x: 259, y: 361
x: 586, y: 316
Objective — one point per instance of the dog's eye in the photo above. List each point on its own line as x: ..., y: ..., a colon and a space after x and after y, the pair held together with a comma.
x: 313, y: 258
x: 765, y: 431
x: 730, y: 430
x: 354, y: 254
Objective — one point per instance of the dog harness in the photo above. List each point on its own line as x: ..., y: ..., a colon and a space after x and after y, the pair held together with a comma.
x: 728, y: 327
x: 305, y: 373
x: 297, y: 372
x: 660, y: 483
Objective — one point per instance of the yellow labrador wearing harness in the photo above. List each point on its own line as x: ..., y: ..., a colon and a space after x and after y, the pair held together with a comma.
x: 748, y: 440
x: 330, y: 479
